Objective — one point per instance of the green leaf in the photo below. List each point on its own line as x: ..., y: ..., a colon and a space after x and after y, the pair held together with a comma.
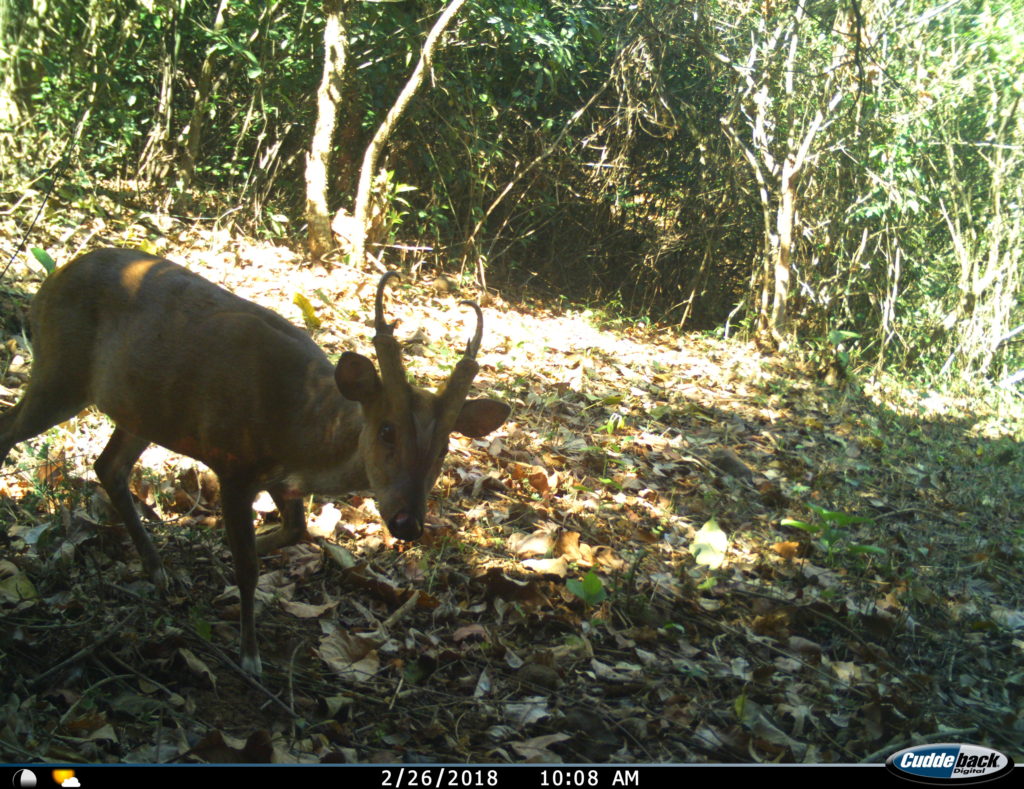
x: 201, y: 624
x: 840, y: 518
x: 44, y: 259
x: 590, y: 590
x: 836, y: 336
x: 605, y: 401
x: 813, y: 528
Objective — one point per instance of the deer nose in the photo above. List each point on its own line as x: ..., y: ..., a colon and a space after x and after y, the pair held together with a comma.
x: 405, y: 526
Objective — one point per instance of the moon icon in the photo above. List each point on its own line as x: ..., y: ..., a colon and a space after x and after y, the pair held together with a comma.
x: 24, y: 779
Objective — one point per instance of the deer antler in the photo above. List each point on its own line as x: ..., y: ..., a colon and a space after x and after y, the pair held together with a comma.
x: 389, y: 352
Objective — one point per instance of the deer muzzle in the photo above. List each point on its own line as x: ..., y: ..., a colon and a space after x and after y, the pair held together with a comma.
x: 405, y: 526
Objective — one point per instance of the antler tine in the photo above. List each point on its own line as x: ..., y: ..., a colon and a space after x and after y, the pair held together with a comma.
x: 473, y: 346
x: 455, y: 390
x: 389, y: 352
x: 380, y: 326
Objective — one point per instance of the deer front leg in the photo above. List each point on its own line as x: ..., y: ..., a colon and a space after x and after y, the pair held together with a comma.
x: 236, y: 503
x: 293, y: 522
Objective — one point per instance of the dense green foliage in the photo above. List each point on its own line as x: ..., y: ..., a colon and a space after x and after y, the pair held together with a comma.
x: 851, y: 170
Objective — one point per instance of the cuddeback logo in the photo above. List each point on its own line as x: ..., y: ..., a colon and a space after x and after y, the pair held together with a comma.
x: 949, y: 762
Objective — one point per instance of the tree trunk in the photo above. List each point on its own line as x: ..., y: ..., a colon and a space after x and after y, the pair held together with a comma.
x: 328, y: 100
x: 156, y: 158
x: 10, y: 111
x: 368, y: 170
x: 194, y: 131
x: 780, y: 147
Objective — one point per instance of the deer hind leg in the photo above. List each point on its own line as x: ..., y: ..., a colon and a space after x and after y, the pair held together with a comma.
x: 293, y: 522
x: 114, y: 467
x: 46, y: 403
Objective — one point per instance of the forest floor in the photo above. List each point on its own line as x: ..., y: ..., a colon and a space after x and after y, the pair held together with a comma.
x: 677, y: 550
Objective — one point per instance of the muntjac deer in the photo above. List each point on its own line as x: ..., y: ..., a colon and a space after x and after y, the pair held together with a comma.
x: 175, y: 360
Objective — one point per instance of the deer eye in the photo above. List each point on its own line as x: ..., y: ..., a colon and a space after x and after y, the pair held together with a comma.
x: 387, y: 433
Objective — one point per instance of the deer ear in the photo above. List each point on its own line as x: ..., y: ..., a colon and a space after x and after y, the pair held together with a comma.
x: 357, y: 378
x: 480, y: 417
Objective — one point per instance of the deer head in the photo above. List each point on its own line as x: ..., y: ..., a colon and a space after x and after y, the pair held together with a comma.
x: 405, y: 433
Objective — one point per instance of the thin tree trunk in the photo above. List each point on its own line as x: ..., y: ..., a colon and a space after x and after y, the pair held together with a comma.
x: 10, y: 111
x: 156, y: 157
x: 368, y: 170
x: 194, y: 132
x: 154, y: 162
x: 328, y: 101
